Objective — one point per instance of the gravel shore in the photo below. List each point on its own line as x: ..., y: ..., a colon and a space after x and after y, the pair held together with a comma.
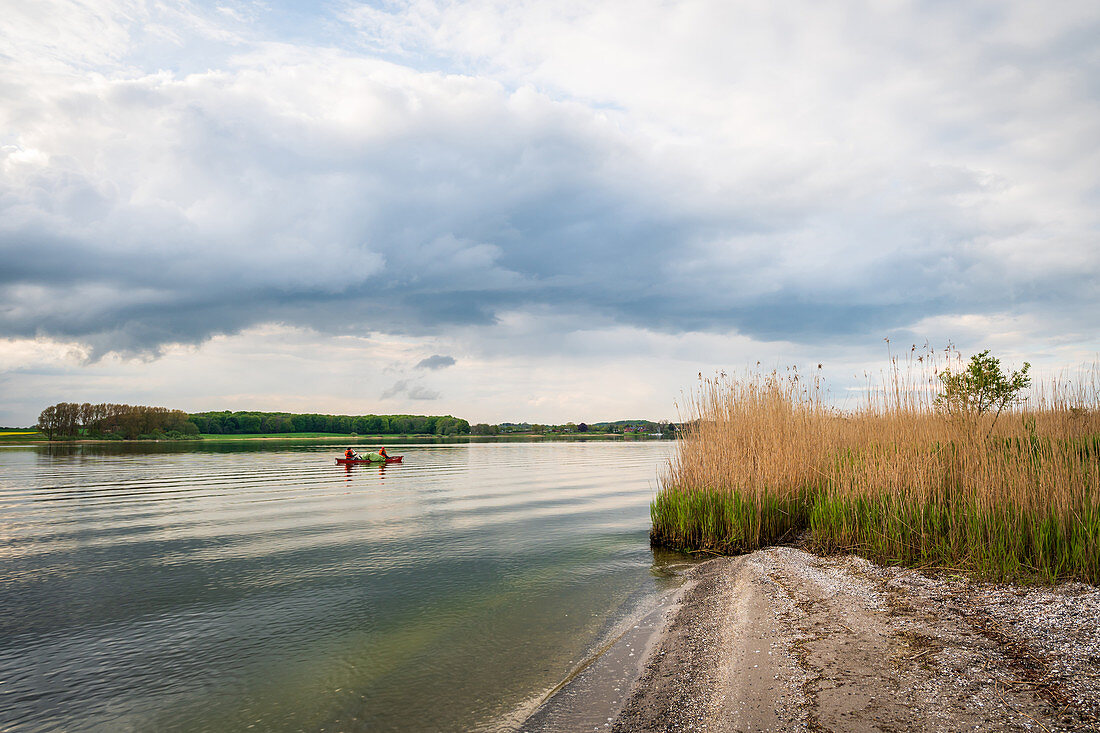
x: 781, y: 640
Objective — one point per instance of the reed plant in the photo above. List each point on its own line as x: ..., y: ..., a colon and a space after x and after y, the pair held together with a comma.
x: 767, y: 457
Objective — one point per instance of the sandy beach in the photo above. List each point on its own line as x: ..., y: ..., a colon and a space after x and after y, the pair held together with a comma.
x: 781, y: 640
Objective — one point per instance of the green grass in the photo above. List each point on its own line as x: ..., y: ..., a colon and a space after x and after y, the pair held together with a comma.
x: 23, y: 437
x: 724, y: 522
x: 352, y: 440
x: 1002, y: 542
x: 360, y: 440
x: 288, y: 436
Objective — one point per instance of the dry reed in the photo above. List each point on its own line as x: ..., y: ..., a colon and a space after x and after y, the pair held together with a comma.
x: 765, y: 457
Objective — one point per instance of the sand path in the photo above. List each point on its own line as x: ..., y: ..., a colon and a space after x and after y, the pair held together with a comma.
x: 781, y: 640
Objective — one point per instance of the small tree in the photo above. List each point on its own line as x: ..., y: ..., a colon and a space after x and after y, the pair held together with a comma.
x: 981, y: 388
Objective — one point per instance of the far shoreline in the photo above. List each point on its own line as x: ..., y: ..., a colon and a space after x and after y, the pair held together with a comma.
x: 208, y: 439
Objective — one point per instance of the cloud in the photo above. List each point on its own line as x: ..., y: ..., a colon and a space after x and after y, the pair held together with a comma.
x: 436, y: 361
x: 410, y: 390
x: 812, y: 175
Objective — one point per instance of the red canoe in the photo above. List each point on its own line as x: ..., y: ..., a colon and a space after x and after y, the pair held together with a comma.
x: 351, y: 461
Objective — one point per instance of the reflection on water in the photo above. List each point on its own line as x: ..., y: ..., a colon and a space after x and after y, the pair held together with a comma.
x: 222, y: 586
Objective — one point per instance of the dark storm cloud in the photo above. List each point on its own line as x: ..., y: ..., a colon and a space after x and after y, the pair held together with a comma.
x: 440, y: 246
x: 350, y: 196
x: 436, y: 361
x: 430, y: 227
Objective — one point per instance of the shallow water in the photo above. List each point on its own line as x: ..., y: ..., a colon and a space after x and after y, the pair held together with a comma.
x: 233, y: 587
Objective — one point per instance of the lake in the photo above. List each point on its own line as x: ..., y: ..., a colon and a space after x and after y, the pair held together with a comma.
x: 236, y: 586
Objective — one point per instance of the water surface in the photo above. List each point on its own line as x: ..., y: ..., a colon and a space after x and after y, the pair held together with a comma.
x: 232, y: 587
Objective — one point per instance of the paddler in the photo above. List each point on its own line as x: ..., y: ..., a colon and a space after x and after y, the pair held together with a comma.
x: 382, y: 452
x: 350, y: 454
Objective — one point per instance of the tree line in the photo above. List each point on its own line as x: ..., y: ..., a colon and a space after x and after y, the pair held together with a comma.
x: 129, y: 422
x: 648, y: 427
x: 108, y: 420
x: 242, y: 423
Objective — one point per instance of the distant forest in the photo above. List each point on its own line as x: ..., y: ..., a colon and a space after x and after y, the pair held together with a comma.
x: 242, y: 423
x: 623, y: 427
x: 129, y: 422
x: 70, y: 420
x: 117, y: 422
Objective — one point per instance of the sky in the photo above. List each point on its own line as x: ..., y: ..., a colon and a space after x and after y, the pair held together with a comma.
x: 534, y: 211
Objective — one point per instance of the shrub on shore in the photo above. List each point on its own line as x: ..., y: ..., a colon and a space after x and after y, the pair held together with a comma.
x: 901, y: 479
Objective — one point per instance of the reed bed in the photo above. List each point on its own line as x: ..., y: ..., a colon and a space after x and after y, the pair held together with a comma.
x: 766, y: 457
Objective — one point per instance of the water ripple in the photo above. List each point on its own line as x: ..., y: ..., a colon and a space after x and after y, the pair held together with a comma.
x: 211, y: 590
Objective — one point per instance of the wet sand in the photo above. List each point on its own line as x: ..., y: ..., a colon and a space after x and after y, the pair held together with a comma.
x: 595, y: 693
x: 781, y: 640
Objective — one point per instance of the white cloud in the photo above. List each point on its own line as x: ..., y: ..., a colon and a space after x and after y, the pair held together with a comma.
x: 552, y: 181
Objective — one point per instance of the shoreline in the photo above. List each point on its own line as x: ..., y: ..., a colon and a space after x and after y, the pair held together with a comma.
x: 595, y: 691
x: 782, y: 640
x: 457, y: 439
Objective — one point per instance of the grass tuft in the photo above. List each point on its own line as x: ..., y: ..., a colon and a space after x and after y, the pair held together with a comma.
x: 764, y: 458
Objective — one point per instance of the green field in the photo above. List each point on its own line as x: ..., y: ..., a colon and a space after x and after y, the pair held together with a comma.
x: 287, y: 436
x: 20, y: 436
x: 318, y: 437
x: 359, y: 440
x: 23, y: 436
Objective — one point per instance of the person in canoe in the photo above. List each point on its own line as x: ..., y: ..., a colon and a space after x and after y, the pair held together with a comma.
x: 350, y: 454
x: 382, y: 452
